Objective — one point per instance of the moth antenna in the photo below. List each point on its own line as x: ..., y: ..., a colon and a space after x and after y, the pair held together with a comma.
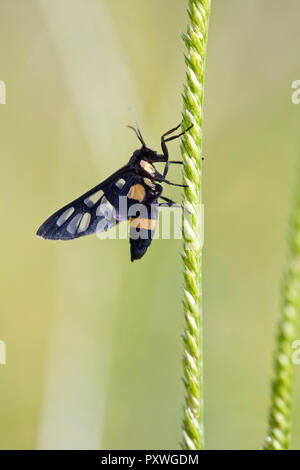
x: 138, y: 132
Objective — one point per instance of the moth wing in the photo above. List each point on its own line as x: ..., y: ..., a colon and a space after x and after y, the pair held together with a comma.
x: 93, y: 212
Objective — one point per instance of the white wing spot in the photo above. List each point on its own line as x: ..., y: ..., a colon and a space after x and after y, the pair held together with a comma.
x: 73, y: 225
x: 93, y: 198
x: 65, y: 216
x: 85, y: 222
x: 105, y: 209
x: 120, y: 183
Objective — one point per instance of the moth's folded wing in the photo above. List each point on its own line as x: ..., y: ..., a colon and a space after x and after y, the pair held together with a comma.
x: 88, y: 214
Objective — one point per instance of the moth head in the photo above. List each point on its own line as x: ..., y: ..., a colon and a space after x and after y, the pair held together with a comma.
x: 147, y: 153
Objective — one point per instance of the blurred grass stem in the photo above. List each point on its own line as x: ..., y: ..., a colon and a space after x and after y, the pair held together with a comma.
x: 279, y: 432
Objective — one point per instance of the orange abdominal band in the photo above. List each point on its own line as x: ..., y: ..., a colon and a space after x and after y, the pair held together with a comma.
x: 147, y: 224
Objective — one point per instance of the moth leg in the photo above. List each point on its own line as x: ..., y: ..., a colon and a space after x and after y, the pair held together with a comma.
x: 171, y: 203
x: 158, y: 177
x: 163, y: 141
x: 173, y: 184
x: 159, y: 158
x: 168, y: 163
x: 164, y: 146
x: 167, y: 204
x: 168, y: 200
x: 163, y: 158
x: 170, y: 131
x: 178, y: 135
x: 157, y: 194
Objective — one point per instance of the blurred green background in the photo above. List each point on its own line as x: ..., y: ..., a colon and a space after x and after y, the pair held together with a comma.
x: 93, y: 341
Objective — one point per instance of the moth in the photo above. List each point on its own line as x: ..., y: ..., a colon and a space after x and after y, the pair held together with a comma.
x: 131, y: 193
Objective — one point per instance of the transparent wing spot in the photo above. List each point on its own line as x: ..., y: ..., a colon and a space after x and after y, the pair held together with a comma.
x: 65, y: 216
x: 85, y: 222
x: 73, y: 225
x: 120, y: 183
x: 93, y: 198
x: 105, y: 209
x: 102, y: 226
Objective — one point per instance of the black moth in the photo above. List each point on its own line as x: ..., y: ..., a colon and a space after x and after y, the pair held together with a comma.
x: 100, y: 209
